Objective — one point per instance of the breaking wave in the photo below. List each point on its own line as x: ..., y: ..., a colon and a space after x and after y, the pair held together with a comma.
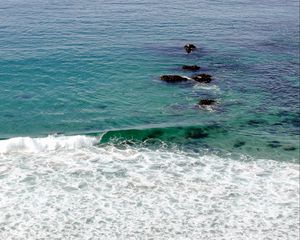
x: 72, y: 187
x: 50, y: 143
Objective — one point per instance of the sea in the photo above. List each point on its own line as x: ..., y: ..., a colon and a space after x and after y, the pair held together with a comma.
x: 94, y: 145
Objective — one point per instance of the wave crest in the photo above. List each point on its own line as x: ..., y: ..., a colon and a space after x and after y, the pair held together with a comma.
x: 50, y: 143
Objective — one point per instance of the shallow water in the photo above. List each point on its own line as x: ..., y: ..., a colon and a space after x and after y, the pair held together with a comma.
x: 94, y: 144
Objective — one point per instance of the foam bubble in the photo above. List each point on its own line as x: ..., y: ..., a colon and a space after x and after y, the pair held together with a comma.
x: 102, y: 192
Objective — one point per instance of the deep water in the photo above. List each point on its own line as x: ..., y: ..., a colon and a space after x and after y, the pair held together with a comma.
x: 93, y: 141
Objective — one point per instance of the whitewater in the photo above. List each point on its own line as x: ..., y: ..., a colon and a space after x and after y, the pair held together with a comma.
x: 72, y: 187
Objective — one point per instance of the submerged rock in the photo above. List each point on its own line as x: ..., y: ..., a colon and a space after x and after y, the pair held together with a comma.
x: 196, y: 134
x: 239, y: 144
x: 274, y: 144
x: 289, y: 148
x: 191, y: 67
x: 256, y: 122
x: 173, y: 78
x: 202, y: 78
x: 189, y: 47
x: 206, y: 102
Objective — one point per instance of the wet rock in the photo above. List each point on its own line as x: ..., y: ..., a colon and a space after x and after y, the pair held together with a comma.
x: 173, y: 78
x: 202, y: 78
x: 189, y: 47
x: 206, y: 102
x: 191, y: 67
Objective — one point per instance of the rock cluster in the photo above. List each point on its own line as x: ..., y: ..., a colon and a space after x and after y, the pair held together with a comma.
x: 201, y: 78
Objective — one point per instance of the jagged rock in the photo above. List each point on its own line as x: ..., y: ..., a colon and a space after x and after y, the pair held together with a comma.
x: 191, y: 67
x: 202, y: 78
x: 206, y: 102
x: 189, y: 47
x: 173, y: 78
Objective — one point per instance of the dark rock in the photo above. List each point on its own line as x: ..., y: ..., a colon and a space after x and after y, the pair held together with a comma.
x: 189, y: 47
x: 173, y: 78
x: 202, y: 78
x: 191, y: 67
x: 207, y: 102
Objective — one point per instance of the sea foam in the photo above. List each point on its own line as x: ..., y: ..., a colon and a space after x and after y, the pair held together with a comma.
x: 50, y: 143
x: 104, y: 192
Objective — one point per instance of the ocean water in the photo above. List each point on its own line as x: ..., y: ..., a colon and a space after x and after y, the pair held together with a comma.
x: 95, y: 146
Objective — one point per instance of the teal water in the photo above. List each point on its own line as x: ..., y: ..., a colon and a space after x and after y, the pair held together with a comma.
x: 79, y: 68
x: 87, y: 74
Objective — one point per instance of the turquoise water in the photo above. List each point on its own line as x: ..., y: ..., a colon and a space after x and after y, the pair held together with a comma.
x: 74, y: 69
x: 80, y: 91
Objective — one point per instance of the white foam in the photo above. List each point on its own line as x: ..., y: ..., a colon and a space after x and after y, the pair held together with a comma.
x: 50, y: 143
x: 138, y: 193
x: 212, y: 87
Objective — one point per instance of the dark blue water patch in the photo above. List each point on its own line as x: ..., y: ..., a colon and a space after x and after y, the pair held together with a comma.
x: 274, y: 144
x: 196, y: 134
x: 276, y: 46
x: 257, y: 122
x: 290, y: 148
x: 101, y: 106
x: 279, y: 86
x: 295, y: 122
x: 291, y: 118
x: 226, y: 65
x: 8, y: 115
x: 24, y: 96
x: 239, y: 144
